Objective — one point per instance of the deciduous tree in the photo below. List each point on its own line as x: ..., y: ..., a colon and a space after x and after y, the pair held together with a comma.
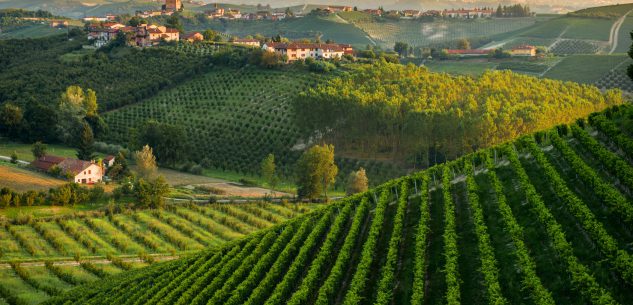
x: 316, y: 171
x: 39, y: 149
x: 357, y: 182
x: 146, y: 162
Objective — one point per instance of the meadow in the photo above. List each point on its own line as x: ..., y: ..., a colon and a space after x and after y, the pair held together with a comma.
x: 45, y: 252
x: 545, y: 219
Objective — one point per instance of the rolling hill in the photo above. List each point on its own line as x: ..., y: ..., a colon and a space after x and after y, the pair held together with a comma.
x: 43, y: 256
x: 544, y: 220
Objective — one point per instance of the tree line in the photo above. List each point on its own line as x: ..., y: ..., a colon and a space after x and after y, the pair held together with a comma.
x: 418, y: 118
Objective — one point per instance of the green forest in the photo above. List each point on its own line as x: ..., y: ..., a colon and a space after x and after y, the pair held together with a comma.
x: 408, y: 113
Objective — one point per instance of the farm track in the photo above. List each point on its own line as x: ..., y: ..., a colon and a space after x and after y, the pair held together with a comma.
x: 615, y: 32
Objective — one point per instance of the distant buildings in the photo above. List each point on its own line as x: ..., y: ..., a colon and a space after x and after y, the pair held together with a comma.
x: 469, y: 13
x: 172, y: 5
x: 247, y: 42
x: 524, y: 50
x: 58, y: 23
x: 468, y: 53
x: 141, y: 36
x: 301, y: 51
x: 83, y: 172
x: 337, y: 8
x: 193, y: 37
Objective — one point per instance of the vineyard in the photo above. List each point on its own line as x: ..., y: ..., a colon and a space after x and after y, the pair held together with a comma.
x: 40, y: 258
x: 417, y: 33
x: 575, y: 46
x: 617, y: 78
x: 542, y: 220
x: 233, y: 118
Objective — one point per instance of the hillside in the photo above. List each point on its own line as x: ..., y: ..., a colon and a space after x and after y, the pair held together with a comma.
x: 54, y: 254
x: 545, y: 220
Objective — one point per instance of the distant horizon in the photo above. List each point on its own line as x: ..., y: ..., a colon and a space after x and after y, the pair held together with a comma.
x: 429, y: 4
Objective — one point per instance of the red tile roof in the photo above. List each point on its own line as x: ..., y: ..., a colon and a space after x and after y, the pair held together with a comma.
x: 524, y: 47
x: 468, y: 52
x: 46, y: 162
x: 108, y: 158
x: 74, y: 166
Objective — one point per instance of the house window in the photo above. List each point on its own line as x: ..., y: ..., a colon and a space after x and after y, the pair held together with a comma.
x: 89, y: 179
x: 89, y: 172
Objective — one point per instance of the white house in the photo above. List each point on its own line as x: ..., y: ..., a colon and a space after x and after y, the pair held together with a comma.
x: 83, y: 172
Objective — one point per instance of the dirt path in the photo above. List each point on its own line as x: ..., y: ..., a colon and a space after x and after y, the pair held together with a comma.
x: 157, y: 257
x: 614, y: 37
x: 340, y: 19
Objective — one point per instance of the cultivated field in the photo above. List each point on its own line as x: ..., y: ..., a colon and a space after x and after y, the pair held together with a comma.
x: 43, y: 257
x: 23, y: 180
x: 543, y: 220
x: 418, y: 33
x: 586, y: 69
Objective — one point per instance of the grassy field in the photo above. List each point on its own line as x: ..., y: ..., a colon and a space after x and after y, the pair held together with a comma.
x: 586, y: 69
x: 24, y: 150
x: 22, y: 180
x: 534, y: 221
x: 107, y: 245
x: 30, y: 31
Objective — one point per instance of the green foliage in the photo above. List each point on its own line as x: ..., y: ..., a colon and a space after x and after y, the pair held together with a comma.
x: 150, y: 194
x: 39, y: 149
x: 367, y: 253
x: 85, y: 149
x: 371, y: 109
x: 14, y: 157
x: 316, y: 171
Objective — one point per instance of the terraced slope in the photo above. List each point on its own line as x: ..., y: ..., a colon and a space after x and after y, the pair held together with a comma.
x: 543, y: 220
x: 43, y: 258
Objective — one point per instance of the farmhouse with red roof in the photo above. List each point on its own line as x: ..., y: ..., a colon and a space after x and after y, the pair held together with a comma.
x: 80, y: 171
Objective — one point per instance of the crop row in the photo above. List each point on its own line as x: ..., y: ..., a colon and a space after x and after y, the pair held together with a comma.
x: 585, y: 283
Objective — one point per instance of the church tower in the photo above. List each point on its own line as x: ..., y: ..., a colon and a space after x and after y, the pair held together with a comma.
x: 173, y: 5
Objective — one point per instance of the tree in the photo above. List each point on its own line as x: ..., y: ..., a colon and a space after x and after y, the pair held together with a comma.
x: 268, y: 171
x: 167, y: 141
x: 146, y: 162
x: 14, y: 157
x: 39, y: 149
x: 90, y: 103
x: 85, y: 149
x: 316, y: 171
x: 120, y: 167
x: 149, y: 194
x: 463, y: 44
x: 402, y: 48
x: 357, y: 182
x: 209, y: 35
x: 174, y: 22
x: 10, y: 116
